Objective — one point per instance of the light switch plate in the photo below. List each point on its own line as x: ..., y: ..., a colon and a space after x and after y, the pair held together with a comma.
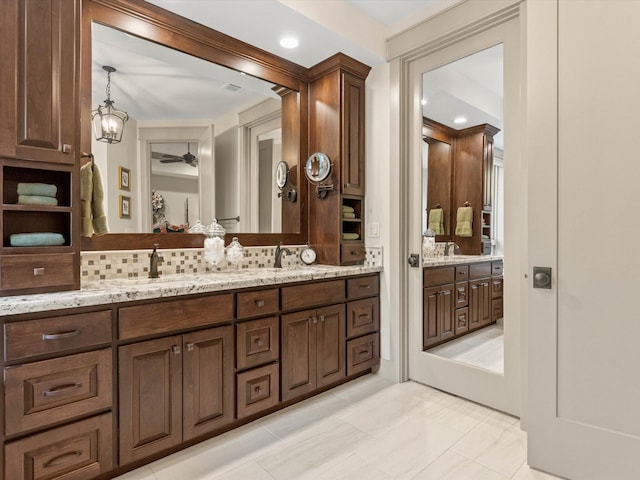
x: 374, y: 230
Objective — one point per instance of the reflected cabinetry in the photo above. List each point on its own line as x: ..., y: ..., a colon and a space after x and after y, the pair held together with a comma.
x: 38, y: 141
x: 460, y: 299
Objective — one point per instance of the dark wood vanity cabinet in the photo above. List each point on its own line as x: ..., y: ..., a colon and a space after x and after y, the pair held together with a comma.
x: 183, y: 369
x: 460, y: 299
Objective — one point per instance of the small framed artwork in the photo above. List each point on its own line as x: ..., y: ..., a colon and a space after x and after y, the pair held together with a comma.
x: 124, y: 179
x: 125, y: 207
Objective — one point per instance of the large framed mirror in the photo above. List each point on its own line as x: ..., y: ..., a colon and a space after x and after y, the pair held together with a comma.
x: 210, y: 118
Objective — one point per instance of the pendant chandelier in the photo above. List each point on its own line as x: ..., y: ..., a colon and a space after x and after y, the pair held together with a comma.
x: 108, y: 122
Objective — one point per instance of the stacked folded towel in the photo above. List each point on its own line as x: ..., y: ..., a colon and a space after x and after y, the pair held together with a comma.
x: 37, y: 194
x: 350, y: 236
x: 348, y: 212
x: 436, y: 221
x: 464, y: 221
x: 38, y: 239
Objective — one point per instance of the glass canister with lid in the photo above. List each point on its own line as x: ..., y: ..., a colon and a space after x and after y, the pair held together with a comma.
x: 214, y: 244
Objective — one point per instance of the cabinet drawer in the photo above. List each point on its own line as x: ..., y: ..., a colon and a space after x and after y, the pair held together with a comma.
x: 462, y: 273
x: 257, y: 342
x: 496, y: 268
x: 496, y: 309
x: 362, y: 287
x: 363, y: 316
x: 461, y: 292
x: 433, y: 276
x: 363, y: 353
x: 36, y: 271
x: 496, y: 287
x: 56, y: 334
x: 163, y: 317
x: 480, y: 270
x: 312, y: 294
x: 461, y: 321
x: 258, y: 389
x: 353, y: 253
x: 256, y: 303
x: 79, y: 451
x: 41, y: 393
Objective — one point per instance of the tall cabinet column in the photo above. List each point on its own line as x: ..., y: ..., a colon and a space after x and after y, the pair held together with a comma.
x: 336, y: 128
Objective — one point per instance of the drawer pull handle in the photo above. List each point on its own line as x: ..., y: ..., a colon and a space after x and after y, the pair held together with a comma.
x: 364, y: 352
x: 60, y: 335
x: 365, y: 286
x: 38, y: 271
x: 61, y: 390
x: 259, y: 303
x: 354, y: 252
x: 363, y: 315
x: 258, y: 389
x: 62, y: 459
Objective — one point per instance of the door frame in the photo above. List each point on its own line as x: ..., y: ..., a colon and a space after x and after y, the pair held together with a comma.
x: 449, y: 28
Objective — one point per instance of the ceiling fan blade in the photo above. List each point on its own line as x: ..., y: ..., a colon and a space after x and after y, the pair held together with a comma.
x: 171, y: 160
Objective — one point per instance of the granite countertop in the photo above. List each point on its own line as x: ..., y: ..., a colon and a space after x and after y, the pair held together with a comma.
x: 456, y: 259
x: 115, y: 291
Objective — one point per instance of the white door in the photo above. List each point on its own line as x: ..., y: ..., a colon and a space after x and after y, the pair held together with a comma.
x: 500, y: 391
x: 207, y: 178
x: 584, y: 172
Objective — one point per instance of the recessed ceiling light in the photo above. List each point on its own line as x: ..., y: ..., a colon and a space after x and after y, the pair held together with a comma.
x: 459, y: 120
x: 289, y: 42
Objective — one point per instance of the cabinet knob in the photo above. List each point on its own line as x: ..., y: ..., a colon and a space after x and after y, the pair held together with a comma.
x: 258, y: 342
x: 190, y: 347
x: 66, y: 148
x: 175, y: 350
x: 259, y: 303
x: 314, y: 319
x: 38, y: 271
x: 322, y: 318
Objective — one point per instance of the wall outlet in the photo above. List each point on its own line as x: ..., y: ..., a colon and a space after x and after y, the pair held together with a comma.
x: 374, y: 230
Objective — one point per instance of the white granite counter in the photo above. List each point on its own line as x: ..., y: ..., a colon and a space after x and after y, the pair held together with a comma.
x: 116, y: 291
x: 456, y: 259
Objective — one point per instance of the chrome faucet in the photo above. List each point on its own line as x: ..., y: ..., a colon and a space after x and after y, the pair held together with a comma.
x: 156, y: 259
x: 447, y: 248
x: 279, y: 253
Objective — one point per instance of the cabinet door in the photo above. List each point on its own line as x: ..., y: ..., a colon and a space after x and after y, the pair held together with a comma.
x: 330, y: 341
x: 446, y: 308
x: 430, y: 324
x: 150, y: 396
x: 38, y: 81
x: 207, y: 381
x: 352, y: 135
x: 298, y: 353
x: 479, y: 303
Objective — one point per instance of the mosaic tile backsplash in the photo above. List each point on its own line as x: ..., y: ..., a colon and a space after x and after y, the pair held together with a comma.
x: 107, y: 265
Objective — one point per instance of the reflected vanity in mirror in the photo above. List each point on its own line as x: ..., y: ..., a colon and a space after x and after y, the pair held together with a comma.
x: 211, y: 118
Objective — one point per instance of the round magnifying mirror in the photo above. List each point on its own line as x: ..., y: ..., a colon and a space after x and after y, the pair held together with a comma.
x: 318, y: 167
x: 282, y: 174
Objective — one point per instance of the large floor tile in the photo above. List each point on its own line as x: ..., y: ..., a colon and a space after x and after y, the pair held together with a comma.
x: 142, y: 473
x: 345, y: 468
x: 452, y: 466
x: 306, y: 451
x: 527, y: 473
x: 406, y: 449
x: 246, y: 471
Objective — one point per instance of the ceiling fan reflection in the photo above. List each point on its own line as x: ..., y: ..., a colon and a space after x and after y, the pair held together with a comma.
x: 188, y: 158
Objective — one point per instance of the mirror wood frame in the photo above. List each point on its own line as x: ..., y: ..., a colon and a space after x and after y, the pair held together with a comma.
x: 157, y: 25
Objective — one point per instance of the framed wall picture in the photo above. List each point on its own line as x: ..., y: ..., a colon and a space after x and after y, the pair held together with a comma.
x: 125, y: 207
x: 124, y: 178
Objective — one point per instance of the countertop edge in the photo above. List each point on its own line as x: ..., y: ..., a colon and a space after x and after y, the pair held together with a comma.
x: 120, y: 291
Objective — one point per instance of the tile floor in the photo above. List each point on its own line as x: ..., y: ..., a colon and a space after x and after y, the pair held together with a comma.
x: 369, y: 429
x: 484, y: 348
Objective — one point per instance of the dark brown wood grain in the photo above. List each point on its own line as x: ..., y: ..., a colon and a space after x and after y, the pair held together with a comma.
x: 257, y: 342
x: 298, y: 354
x: 258, y: 389
x: 363, y: 316
x: 312, y: 294
x: 330, y: 345
x: 363, y: 353
x: 257, y: 303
